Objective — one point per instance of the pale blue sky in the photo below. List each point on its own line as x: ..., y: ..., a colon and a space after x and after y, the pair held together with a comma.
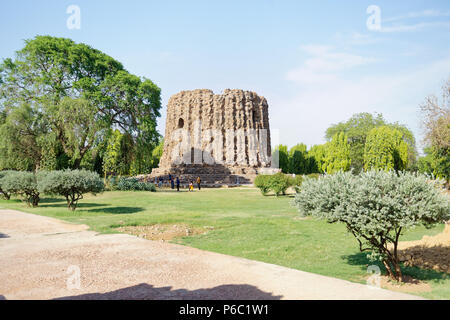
x: 316, y: 62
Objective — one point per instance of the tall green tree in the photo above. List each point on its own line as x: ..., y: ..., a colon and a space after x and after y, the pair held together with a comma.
x: 357, y: 129
x: 280, y: 157
x: 337, y: 154
x: 72, y: 86
x: 385, y: 149
x: 315, y: 158
x: 297, y: 158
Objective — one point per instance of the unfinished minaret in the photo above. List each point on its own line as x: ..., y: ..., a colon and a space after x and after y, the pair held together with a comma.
x: 223, y: 138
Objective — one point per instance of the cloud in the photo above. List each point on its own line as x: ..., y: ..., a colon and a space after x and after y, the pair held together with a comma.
x: 421, y: 14
x: 324, y: 94
x: 323, y: 64
x: 413, y: 27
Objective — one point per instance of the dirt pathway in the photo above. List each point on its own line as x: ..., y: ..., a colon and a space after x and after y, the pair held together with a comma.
x: 40, y: 258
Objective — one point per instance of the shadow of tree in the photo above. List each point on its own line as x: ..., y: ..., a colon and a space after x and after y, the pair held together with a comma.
x: 80, y: 205
x: 145, y: 291
x: 117, y: 210
x: 361, y: 259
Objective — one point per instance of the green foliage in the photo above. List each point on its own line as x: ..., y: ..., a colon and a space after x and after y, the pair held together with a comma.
x: 71, y: 184
x: 357, y: 129
x: 119, y: 154
x: 337, y: 154
x: 24, y: 184
x: 297, y: 159
x: 385, y: 149
x: 281, y: 158
x: 278, y: 183
x: 262, y: 181
x: 60, y: 100
x: 316, y: 158
x: 376, y: 207
x: 5, y: 194
x: 133, y: 184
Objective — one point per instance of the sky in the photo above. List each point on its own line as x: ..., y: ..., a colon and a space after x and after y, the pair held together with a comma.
x: 317, y: 62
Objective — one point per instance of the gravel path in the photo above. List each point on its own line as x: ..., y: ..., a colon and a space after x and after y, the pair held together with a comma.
x: 40, y: 257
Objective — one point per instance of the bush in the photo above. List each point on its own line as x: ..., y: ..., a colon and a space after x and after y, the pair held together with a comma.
x: 133, y: 184
x: 262, y: 182
x: 23, y: 184
x: 280, y: 182
x: 376, y: 206
x: 71, y: 184
x: 6, y: 195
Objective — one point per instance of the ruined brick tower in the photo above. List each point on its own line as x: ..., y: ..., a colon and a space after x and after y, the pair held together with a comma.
x: 223, y: 138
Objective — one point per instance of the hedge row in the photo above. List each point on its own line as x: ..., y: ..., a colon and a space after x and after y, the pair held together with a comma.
x: 71, y: 184
x: 279, y: 182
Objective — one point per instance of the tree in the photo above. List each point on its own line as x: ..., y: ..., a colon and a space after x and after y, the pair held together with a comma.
x: 357, y: 128
x: 315, y: 158
x: 281, y: 158
x: 4, y: 193
x: 376, y: 207
x: 337, y: 154
x: 436, y: 123
x: 24, y: 184
x: 71, y: 184
x: 119, y: 154
x: 385, y: 149
x: 297, y: 162
x: 78, y: 92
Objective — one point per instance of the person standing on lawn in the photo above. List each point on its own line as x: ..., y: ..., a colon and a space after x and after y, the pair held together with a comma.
x: 178, y: 184
x: 198, y: 182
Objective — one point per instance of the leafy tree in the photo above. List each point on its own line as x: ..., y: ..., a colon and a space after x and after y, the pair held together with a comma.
x: 357, y: 128
x: 337, y: 155
x: 315, y: 158
x: 4, y: 193
x: 24, y: 184
x: 71, y: 184
x: 436, y: 123
x: 297, y: 159
x: 376, y: 207
x: 280, y: 153
x: 119, y: 154
x: 385, y: 149
x: 75, y: 93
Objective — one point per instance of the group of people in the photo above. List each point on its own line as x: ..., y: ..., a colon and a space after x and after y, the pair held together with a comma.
x: 176, y: 182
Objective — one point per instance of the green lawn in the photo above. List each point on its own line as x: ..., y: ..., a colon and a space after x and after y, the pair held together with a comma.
x: 246, y: 224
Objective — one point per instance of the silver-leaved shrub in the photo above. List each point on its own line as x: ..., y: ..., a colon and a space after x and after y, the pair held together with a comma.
x: 377, y: 207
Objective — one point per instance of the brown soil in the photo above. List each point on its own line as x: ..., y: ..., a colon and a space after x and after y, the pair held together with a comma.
x: 409, y: 285
x: 163, y: 232
x: 431, y: 252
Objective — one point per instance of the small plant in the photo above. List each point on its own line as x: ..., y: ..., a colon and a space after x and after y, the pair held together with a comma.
x: 133, y: 184
x: 71, y: 184
x: 376, y: 207
x: 262, y: 182
x: 280, y: 182
x: 21, y: 183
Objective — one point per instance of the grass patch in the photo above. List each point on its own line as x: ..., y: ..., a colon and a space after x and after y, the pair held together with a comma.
x: 241, y: 223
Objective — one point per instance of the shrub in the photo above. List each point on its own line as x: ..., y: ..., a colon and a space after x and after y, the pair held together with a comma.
x: 6, y: 195
x: 71, y: 184
x: 133, y: 184
x: 376, y: 206
x: 262, y: 182
x: 279, y: 183
x: 21, y: 183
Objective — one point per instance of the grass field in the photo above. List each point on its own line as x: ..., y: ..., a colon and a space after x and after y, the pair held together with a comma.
x: 246, y: 224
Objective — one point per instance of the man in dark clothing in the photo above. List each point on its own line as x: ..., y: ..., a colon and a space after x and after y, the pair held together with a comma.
x: 178, y: 184
x: 171, y: 183
x: 198, y: 182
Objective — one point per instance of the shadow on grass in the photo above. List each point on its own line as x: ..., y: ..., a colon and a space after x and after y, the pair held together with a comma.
x: 361, y: 259
x: 80, y: 205
x: 117, y: 210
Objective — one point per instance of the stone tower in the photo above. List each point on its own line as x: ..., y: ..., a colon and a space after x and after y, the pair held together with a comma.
x: 223, y: 138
